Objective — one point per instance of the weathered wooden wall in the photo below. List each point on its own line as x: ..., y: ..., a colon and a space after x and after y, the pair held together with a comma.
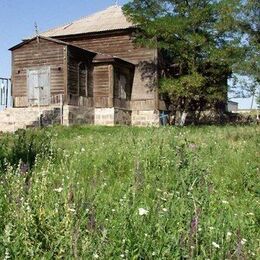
x: 38, y: 54
x: 121, y: 45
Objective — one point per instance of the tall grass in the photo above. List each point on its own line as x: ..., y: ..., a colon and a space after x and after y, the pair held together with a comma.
x: 131, y: 193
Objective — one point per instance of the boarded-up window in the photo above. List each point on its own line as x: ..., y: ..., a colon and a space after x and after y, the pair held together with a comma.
x: 83, y: 80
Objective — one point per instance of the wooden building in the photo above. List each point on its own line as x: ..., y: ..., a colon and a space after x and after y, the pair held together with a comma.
x: 93, y: 67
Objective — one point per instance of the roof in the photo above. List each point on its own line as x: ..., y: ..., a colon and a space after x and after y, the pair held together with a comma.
x: 109, y: 19
x: 47, y: 39
x: 100, y: 58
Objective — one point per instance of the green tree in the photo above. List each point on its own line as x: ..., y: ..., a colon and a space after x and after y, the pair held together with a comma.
x: 197, y: 46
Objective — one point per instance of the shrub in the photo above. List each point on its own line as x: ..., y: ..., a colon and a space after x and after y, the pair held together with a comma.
x: 23, y: 147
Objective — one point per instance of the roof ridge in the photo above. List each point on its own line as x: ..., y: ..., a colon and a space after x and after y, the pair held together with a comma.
x: 81, y: 18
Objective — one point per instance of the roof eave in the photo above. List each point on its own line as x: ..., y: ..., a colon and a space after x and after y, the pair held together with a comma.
x: 94, y: 32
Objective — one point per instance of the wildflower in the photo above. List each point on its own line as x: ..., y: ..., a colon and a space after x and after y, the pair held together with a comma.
x: 59, y: 190
x: 122, y: 255
x: 163, y: 199
x: 224, y: 202
x: 83, y: 150
x: 113, y: 210
x: 211, y: 228
x: 164, y: 209
x: 243, y: 241
x: 96, y: 256
x: 143, y: 211
x: 215, y: 245
x: 250, y: 214
x: 229, y: 234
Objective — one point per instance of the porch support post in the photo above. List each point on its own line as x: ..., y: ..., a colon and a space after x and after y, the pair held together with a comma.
x: 111, y: 86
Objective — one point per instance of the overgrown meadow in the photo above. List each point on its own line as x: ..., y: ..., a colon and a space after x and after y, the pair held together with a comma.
x: 130, y: 193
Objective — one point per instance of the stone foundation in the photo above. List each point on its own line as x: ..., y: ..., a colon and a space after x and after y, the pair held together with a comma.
x: 73, y: 115
x: 123, y: 117
x: 112, y: 116
x: 16, y: 118
x: 104, y: 116
x: 145, y: 118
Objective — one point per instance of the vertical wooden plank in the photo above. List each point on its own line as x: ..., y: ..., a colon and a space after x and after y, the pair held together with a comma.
x: 156, y: 91
x: 44, y: 85
x: 65, y: 67
x: 111, y: 86
x: 32, y: 84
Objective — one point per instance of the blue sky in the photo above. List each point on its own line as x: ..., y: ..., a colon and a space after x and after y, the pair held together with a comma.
x: 18, y: 17
x: 17, y: 20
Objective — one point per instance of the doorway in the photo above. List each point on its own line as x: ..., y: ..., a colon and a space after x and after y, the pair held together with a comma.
x: 38, y: 86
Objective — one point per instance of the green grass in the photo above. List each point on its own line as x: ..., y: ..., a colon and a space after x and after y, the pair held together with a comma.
x: 83, y: 194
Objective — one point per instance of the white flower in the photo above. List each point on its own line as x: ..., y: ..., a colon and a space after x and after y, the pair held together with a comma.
x: 250, y: 214
x: 59, y: 190
x: 96, y: 256
x: 164, y: 209
x: 83, y: 150
x: 243, y: 241
x: 143, y: 211
x: 113, y: 210
x: 215, y: 245
x: 122, y: 255
x: 211, y: 228
x: 229, y: 234
x: 224, y: 202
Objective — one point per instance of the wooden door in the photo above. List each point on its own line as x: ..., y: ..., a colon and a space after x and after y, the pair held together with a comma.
x: 38, y: 84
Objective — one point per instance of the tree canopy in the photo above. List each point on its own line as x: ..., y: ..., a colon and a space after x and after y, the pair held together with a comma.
x: 199, y: 42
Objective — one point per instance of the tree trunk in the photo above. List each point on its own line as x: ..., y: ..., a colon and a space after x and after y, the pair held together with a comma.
x: 183, y: 118
x: 180, y: 118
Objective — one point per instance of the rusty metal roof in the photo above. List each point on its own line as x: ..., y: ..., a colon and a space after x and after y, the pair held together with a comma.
x: 109, y: 19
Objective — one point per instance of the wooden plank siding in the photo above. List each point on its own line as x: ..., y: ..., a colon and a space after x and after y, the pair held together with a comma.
x: 122, y: 45
x: 35, y: 55
x: 102, y: 82
x: 75, y: 58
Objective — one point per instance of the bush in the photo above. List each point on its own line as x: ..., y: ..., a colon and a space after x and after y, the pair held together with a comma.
x: 23, y: 147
